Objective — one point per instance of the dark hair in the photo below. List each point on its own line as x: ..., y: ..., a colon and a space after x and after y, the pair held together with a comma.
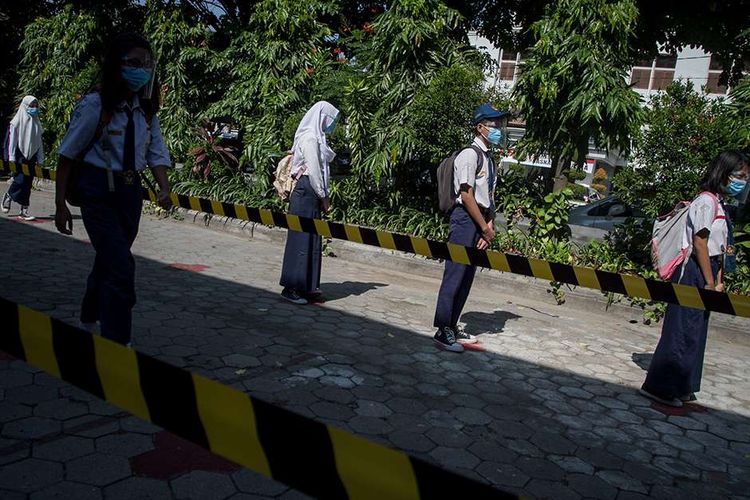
x: 112, y: 87
x: 721, y: 168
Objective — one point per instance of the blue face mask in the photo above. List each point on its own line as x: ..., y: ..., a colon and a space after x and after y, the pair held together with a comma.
x: 32, y: 111
x: 495, y: 135
x: 735, y: 188
x: 135, y: 78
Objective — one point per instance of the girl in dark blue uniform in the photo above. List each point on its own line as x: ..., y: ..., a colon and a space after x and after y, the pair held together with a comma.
x: 113, y: 136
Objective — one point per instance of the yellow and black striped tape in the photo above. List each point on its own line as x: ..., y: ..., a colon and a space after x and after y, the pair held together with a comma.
x: 625, y: 284
x: 314, y: 458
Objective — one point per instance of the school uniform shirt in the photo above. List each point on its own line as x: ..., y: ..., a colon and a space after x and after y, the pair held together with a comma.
x: 14, y: 151
x: 465, y: 172
x: 707, y: 213
x: 109, y: 150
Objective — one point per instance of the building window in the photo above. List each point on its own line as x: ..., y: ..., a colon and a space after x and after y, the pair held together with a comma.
x: 715, y: 69
x: 656, y: 74
x: 509, y: 62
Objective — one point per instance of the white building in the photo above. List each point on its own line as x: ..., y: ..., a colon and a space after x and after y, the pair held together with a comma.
x: 647, y: 77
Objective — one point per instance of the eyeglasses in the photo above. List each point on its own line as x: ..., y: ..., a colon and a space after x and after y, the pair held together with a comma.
x: 137, y: 63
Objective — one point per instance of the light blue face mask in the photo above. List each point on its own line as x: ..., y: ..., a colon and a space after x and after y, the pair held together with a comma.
x: 495, y: 136
x: 735, y: 188
x: 32, y: 111
x: 135, y: 78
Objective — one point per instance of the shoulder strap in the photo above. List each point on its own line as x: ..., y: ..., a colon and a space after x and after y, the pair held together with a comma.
x: 480, y: 157
x: 104, y: 118
x: 716, y: 205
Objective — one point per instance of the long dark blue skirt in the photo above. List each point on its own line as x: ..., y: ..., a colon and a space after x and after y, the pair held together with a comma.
x: 303, y: 252
x: 677, y: 366
x: 20, y: 189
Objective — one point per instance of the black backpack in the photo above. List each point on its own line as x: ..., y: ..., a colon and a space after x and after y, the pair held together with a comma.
x: 444, y: 174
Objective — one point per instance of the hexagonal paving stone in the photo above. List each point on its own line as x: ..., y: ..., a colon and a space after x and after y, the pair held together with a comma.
x: 30, y: 475
x: 125, y: 445
x: 203, y: 485
x: 15, y: 378
x: 410, y: 441
x: 31, y: 428
x: 98, y: 469
x: 471, y: 416
x: 10, y: 411
x: 66, y: 490
x: 454, y: 458
x: 373, y: 409
x: 248, y: 481
x: 141, y: 488
x: 64, y: 448
x: 502, y: 474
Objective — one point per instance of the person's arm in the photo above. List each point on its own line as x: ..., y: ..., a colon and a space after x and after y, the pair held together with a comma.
x: 63, y: 218
x: 314, y: 170
x: 40, y: 153
x: 12, y: 145
x: 158, y: 159
x: 472, y: 208
x: 700, y: 247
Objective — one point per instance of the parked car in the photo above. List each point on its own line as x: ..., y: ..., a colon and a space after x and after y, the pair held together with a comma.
x: 604, y: 214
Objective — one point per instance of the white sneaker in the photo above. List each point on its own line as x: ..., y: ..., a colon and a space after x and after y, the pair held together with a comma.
x: 462, y: 337
x: 25, y: 214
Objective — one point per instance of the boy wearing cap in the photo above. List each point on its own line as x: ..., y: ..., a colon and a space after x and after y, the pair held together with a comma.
x: 471, y: 224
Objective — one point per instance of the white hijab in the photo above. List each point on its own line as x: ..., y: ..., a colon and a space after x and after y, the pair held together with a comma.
x: 28, y: 129
x: 315, y: 121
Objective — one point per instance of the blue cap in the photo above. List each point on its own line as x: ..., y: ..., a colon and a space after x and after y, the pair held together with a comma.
x: 487, y: 112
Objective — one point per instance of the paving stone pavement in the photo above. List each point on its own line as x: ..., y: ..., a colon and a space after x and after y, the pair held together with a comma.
x: 547, y: 408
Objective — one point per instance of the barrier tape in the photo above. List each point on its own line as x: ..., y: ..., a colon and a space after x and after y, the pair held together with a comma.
x: 624, y: 284
x: 314, y: 458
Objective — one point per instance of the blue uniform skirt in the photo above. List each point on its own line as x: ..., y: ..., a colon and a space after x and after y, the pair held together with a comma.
x: 303, y: 252
x: 20, y: 189
x: 677, y: 366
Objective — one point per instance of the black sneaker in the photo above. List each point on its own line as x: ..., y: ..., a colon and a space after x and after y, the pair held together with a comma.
x: 25, y: 214
x: 462, y: 337
x: 675, y: 402
x: 6, y: 203
x: 445, y: 339
x: 293, y: 297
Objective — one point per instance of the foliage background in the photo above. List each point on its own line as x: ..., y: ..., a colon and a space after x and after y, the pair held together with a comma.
x: 406, y: 79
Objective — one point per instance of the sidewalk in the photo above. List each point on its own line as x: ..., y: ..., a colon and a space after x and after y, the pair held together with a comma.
x: 547, y: 408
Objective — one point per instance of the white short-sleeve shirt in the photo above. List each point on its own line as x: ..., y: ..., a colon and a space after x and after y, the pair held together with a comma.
x: 707, y: 213
x: 465, y: 172
x: 109, y: 149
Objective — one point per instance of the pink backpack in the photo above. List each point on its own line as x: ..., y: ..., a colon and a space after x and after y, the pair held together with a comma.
x: 667, y: 250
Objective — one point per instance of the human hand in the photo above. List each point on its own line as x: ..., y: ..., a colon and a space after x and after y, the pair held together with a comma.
x: 325, y: 205
x: 482, y: 244
x: 63, y: 219
x: 488, y: 233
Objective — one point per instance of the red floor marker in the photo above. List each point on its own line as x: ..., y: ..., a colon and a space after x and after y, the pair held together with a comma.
x: 671, y: 411
x: 196, y: 268
x: 474, y: 347
x: 174, y: 456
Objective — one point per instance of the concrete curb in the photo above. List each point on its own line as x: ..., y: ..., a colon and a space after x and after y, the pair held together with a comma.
x: 414, y: 264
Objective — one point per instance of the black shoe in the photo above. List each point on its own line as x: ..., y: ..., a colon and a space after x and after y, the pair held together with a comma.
x: 688, y: 398
x: 675, y: 402
x: 445, y: 338
x: 293, y: 297
x: 6, y: 203
x: 462, y: 337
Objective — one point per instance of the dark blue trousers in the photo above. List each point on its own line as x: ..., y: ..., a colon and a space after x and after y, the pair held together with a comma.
x: 111, y: 220
x: 304, y: 251
x: 457, y: 278
x: 20, y: 189
x: 677, y: 366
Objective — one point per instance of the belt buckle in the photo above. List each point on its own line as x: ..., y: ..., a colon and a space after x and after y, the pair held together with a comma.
x: 129, y: 177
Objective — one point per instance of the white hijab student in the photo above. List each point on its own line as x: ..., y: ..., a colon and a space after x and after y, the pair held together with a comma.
x: 300, y: 273
x: 312, y: 155
x: 24, y: 146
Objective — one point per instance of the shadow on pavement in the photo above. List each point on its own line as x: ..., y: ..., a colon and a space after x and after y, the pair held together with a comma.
x: 519, y: 425
x: 642, y: 359
x: 335, y: 291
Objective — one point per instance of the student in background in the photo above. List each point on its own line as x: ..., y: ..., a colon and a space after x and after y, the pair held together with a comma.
x: 24, y: 146
x: 300, y: 273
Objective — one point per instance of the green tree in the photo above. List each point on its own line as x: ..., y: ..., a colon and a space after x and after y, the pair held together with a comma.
x: 685, y: 129
x: 60, y: 63
x: 573, y: 88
